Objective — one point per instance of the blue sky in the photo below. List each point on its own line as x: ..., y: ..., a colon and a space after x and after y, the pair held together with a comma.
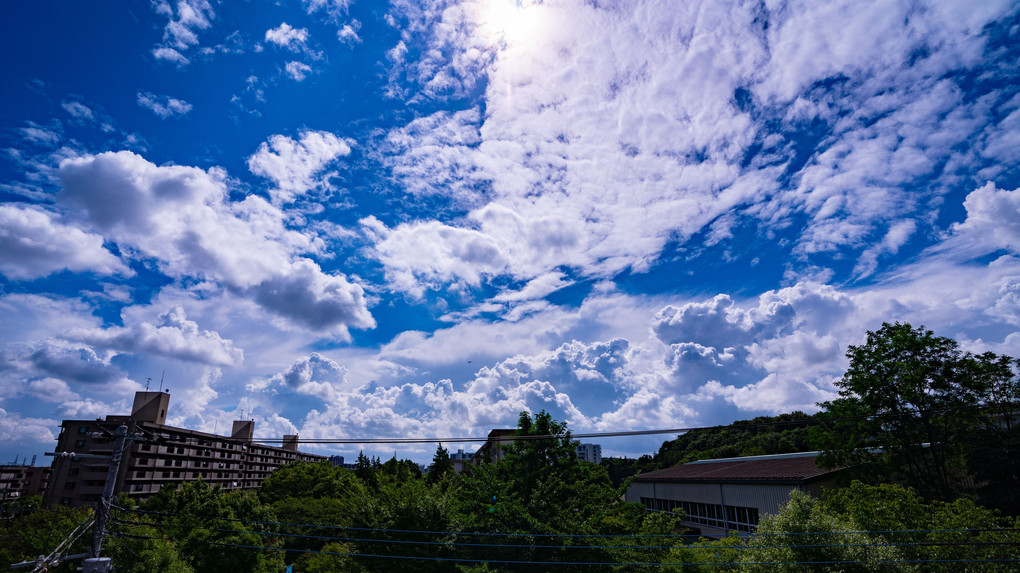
x: 357, y: 220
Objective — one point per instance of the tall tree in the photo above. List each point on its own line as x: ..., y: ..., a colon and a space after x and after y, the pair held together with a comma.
x: 442, y: 465
x: 908, y: 401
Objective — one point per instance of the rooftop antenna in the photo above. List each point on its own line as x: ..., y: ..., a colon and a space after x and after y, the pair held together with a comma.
x: 161, y: 381
x: 148, y: 379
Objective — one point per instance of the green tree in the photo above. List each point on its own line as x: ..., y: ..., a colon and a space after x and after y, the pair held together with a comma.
x: 944, y: 536
x: 37, y: 530
x: 806, y: 536
x: 907, y: 403
x: 442, y: 465
x: 216, y: 530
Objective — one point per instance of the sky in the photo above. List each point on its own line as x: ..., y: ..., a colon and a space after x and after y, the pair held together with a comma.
x: 348, y: 219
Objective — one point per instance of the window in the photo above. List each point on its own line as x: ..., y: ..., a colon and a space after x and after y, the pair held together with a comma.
x: 83, y: 429
x: 79, y: 443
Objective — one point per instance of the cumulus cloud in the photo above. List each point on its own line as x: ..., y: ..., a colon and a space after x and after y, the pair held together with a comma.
x: 428, y: 254
x: 181, y: 218
x: 51, y: 390
x: 163, y: 106
x: 79, y: 364
x: 298, y: 71
x: 314, y: 299
x: 297, y: 166
x: 993, y: 221
x: 29, y: 432
x: 286, y: 36
x: 33, y: 244
x: 175, y: 336
x: 313, y: 375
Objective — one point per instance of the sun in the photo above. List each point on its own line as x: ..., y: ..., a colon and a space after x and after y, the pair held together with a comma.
x: 510, y: 21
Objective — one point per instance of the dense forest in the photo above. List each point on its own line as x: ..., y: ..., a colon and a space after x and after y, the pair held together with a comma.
x: 927, y: 432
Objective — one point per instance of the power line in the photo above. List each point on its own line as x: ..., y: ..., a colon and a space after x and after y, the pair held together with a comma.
x: 579, y: 563
x: 588, y: 547
x: 563, y: 535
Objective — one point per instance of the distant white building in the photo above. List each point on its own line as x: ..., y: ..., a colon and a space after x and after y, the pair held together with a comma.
x: 589, y: 453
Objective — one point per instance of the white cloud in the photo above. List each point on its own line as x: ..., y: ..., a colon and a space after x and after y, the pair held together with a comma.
x: 33, y: 244
x: 33, y: 433
x: 297, y: 166
x: 170, y: 55
x: 651, y: 128
x: 40, y: 135
x: 78, y: 110
x: 175, y: 336
x: 286, y: 36
x: 51, y: 390
x: 333, y: 8
x: 348, y: 34
x: 163, y: 106
x: 298, y: 71
x: 181, y: 218
x: 186, y: 18
x: 993, y: 221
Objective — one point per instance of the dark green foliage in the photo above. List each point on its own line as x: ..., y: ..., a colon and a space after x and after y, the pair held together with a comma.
x: 785, y: 433
x: 864, y: 528
x: 212, y: 530
x: 442, y: 465
x: 912, y: 407
x: 37, y: 530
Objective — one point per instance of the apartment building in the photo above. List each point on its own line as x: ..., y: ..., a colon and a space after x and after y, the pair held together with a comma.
x: 591, y: 453
x: 18, y: 481
x: 158, y: 455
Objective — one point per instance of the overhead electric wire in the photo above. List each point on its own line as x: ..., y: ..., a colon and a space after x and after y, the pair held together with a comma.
x: 578, y: 563
x: 54, y: 556
x: 563, y: 535
x: 533, y: 546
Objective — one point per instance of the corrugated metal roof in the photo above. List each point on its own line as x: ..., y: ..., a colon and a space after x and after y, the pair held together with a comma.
x: 736, y: 469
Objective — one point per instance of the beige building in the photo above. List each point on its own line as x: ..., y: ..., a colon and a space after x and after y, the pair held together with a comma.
x: 160, y: 455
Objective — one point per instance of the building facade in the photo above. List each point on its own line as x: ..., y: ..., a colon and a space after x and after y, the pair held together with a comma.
x: 158, y: 455
x: 17, y: 481
x: 731, y: 494
x: 590, y: 453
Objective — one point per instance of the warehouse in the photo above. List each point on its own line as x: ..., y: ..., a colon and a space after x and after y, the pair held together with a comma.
x: 730, y: 494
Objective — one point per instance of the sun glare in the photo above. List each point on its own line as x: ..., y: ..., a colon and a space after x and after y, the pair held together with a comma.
x: 511, y: 21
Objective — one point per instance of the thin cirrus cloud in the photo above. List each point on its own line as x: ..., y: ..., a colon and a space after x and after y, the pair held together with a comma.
x: 162, y: 105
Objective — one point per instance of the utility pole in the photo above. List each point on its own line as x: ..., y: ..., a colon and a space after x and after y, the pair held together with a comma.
x: 95, y: 563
